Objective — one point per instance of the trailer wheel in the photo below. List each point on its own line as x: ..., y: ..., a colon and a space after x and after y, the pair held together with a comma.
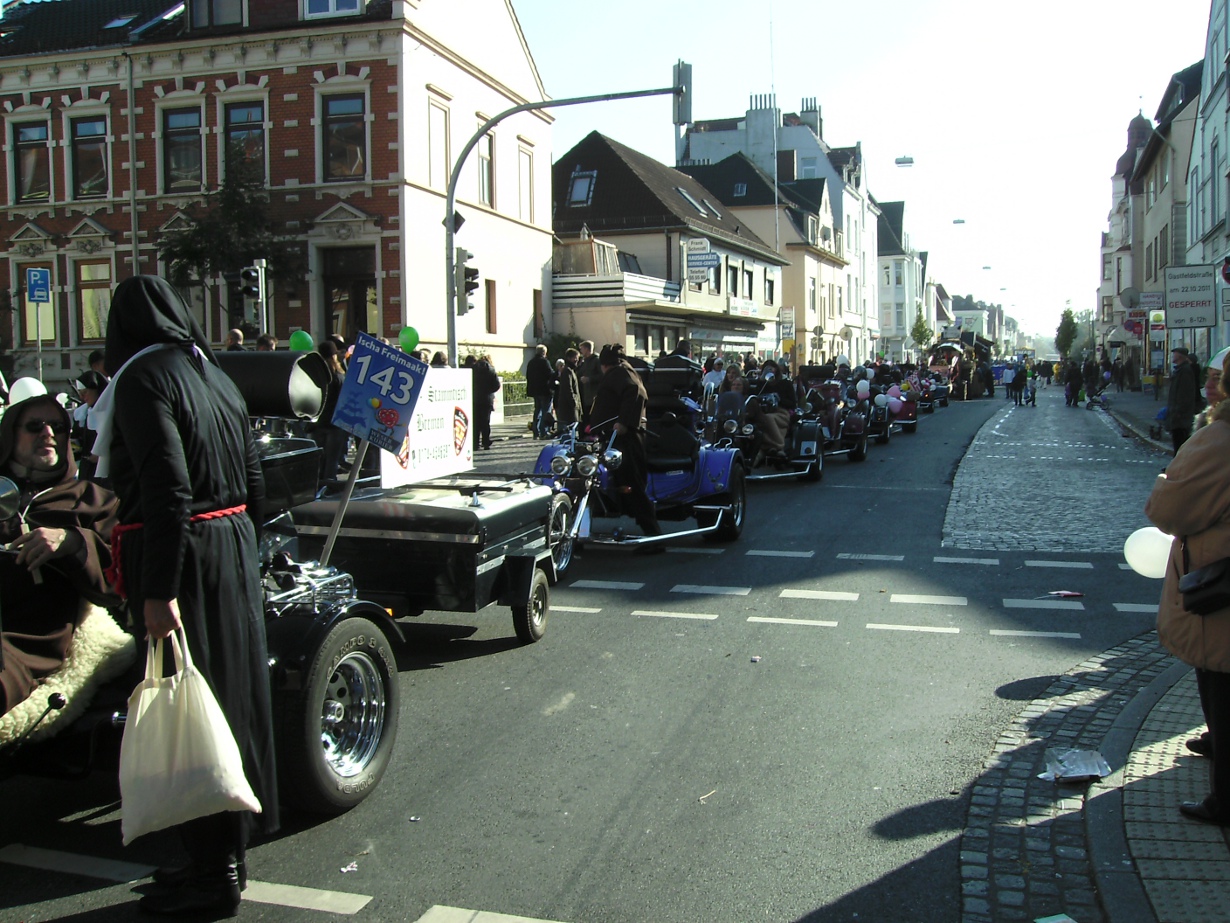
x: 858, y: 452
x: 335, y: 734
x: 530, y: 617
x: 559, y: 533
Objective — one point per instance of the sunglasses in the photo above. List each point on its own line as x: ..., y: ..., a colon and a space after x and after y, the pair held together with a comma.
x: 34, y: 427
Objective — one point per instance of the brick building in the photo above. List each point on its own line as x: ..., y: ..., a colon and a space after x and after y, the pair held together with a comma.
x: 118, y: 115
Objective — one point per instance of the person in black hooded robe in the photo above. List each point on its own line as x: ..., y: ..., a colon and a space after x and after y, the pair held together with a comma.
x: 180, y: 447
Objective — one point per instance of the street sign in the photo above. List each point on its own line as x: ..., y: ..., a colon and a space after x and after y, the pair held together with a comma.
x: 1150, y: 301
x: 705, y: 260
x: 698, y: 245
x: 697, y: 274
x: 1191, y: 296
x: 38, y: 285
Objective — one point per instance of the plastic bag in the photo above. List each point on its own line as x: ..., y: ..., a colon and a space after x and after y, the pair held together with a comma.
x: 178, y: 758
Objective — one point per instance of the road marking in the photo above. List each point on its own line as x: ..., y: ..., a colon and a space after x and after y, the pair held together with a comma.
x: 1012, y: 633
x: 776, y: 621
x: 712, y: 590
x: 52, y: 860
x: 1125, y: 566
x: 261, y: 892
x: 1071, y: 565
x: 1135, y: 607
x: 441, y: 914
x: 928, y: 600
x: 939, y: 631
x: 818, y: 594
x: 658, y: 614
x: 782, y: 554
x: 966, y: 560
x: 584, y: 609
x: 264, y: 892
x: 845, y: 556
x: 605, y: 585
x: 1043, y: 604
x: 696, y: 550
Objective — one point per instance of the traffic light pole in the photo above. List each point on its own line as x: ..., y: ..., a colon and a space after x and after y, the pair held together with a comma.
x: 450, y: 217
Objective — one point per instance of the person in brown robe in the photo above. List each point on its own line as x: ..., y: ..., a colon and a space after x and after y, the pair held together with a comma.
x: 60, y: 561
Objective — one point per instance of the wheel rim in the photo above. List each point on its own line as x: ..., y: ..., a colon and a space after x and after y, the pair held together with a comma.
x: 352, y: 715
x: 561, y: 537
x: 739, y: 495
x: 538, y: 607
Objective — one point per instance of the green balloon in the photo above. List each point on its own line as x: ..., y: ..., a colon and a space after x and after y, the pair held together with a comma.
x: 301, y: 342
x: 408, y: 338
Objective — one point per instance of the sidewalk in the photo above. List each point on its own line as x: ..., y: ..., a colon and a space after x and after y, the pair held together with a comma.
x: 1117, y: 850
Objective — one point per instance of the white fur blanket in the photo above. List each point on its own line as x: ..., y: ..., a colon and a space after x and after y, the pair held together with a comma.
x: 100, y: 651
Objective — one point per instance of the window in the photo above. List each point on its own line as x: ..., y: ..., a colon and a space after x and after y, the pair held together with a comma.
x: 332, y: 7
x: 898, y: 272
x: 245, y: 135
x: 807, y: 168
x: 39, y: 318
x: 1163, y: 248
x: 899, y: 315
x: 747, y: 283
x: 887, y: 276
x: 1214, y: 187
x: 345, y: 138
x: 32, y: 163
x: 1194, y: 190
x: 1151, y: 189
x: 93, y: 299
x: 740, y: 189
x: 769, y: 284
x: 1149, y: 261
x: 732, y: 277
x: 1165, y: 167
x: 181, y: 150
x: 438, y: 163
x: 811, y: 295
x: 1106, y: 267
x: 691, y: 201
x: 89, y: 157
x: 1118, y: 274
x: 525, y: 185
x: 709, y: 205
x: 581, y: 188
x: 715, y: 280
x: 486, y: 170
x: 540, y: 321
x: 489, y: 288
x: 206, y: 13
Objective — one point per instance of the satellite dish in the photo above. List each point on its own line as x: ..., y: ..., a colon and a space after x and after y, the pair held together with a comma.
x: 1129, y: 297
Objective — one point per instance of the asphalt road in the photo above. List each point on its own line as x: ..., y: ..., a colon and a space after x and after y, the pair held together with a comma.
x: 784, y: 728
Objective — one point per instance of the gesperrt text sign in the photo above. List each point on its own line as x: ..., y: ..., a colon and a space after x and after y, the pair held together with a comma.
x: 1191, y: 296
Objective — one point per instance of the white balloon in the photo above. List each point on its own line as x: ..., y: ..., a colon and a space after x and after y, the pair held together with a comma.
x: 26, y: 388
x: 863, y: 388
x: 1147, y: 550
x: 881, y: 400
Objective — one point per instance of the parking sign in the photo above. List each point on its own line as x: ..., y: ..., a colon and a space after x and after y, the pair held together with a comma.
x: 38, y: 285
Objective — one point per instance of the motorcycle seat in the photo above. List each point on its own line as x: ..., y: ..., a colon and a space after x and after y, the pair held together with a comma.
x: 669, y: 446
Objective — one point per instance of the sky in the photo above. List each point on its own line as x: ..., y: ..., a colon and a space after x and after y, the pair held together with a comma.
x: 1014, y: 114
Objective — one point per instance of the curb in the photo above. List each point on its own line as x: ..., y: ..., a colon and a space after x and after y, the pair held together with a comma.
x: 1132, y: 427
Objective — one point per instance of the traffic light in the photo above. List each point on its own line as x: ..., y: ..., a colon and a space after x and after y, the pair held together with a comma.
x: 466, y: 280
x: 252, y: 287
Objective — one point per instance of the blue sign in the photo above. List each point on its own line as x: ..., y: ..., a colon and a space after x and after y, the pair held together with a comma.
x: 38, y: 285
x: 377, y: 400
x: 704, y: 260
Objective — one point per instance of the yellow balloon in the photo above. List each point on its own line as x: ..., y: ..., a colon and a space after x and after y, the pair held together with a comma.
x: 375, y: 402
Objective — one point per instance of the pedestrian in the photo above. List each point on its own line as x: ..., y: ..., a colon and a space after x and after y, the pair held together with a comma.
x: 486, y: 386
x: 772, y: 411
x: 716, y: 375
x: 1073, y: 383
x: 1006, y: 380
x: 620, y: 403
x: 1182, y: 400
x: 90, y: 387
x: 331, y: 439
x: 69, y: 522
x: 568, y: 390
x: 266, y: 343
x: 190, y: 486
x: 439, y: 360
x: 1212, y: 388
x: 539, y: 387
x: 1191, y: 501
x: 234, y: 341
x: 589, y: 373
x: 1116, y: 374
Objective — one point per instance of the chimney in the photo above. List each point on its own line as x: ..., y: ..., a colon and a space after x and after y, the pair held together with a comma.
x: 810, y: 116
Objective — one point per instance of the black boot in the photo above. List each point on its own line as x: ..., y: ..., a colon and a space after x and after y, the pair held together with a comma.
x: 172, y: 877
x: 214, y: 891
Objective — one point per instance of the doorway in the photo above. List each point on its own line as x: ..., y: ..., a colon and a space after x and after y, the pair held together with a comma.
x: 351, y: 302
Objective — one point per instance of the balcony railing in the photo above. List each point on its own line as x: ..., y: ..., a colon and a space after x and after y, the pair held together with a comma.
x: 626, y: 287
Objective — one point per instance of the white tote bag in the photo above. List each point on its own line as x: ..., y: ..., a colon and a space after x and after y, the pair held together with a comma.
x: 178, y: 758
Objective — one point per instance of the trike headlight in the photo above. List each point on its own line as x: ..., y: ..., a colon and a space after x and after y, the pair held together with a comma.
x: 560, y: 465
x: 730, y: 426
x: 613, y: 458
x: 587, y: 465
x: 748, y: 429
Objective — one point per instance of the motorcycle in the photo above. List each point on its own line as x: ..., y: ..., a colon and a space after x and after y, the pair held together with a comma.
x: 838, y: 410
x: 734, y: 423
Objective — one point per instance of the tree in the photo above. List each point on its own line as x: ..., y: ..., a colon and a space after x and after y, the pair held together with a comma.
x: 1066, y: 333
x: 229, y: 230
x: 920, y: 332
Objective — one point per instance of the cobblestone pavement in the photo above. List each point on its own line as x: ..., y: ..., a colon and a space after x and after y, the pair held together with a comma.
x: 1083, y: 474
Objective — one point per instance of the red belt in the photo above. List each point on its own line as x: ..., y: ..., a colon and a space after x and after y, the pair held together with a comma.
x: 115, y: 573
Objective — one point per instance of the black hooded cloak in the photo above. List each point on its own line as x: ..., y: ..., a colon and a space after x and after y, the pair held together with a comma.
x: 181, y: 447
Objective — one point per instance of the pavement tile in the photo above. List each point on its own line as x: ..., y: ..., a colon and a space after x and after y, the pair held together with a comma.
x: 1191, y: 901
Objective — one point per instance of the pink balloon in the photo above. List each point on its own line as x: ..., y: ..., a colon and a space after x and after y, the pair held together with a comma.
x: 894, y: 391
x: 894, y: 405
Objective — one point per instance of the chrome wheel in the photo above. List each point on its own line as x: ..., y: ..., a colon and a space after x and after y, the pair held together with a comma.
x: 352, y: 715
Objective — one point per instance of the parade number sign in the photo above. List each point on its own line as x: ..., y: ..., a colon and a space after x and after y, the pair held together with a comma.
x: 1191, y: 296
x: 382, y: 387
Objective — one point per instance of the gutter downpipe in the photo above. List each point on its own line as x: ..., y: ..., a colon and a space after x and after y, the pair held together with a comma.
x: 132, y: 168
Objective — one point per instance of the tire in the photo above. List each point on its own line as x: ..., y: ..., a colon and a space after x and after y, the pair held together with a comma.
x: 730, y: 525
x: 944, y: 402
x: 930, y: 408
x: 815, y: 470
x: 335, y: 734
x: 884, y: 437
x: 559, y: 539
x: 530, y: 617
x: 858, y: 452
x: 911, y: 427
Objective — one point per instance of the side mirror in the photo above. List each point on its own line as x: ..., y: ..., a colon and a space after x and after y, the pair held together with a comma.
x: 10, y: 499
